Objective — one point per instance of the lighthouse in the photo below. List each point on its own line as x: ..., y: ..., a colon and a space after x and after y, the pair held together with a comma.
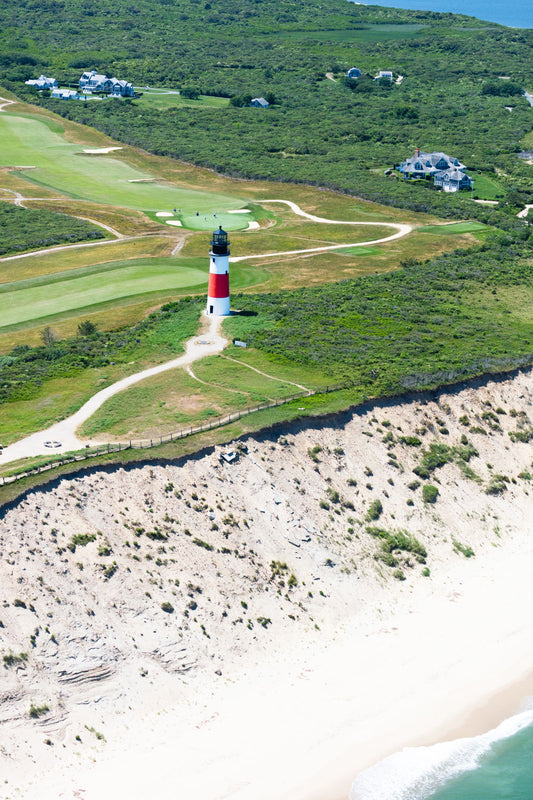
x: 218, y: 291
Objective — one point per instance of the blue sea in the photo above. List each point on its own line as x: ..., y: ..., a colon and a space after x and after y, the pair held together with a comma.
x: 497, y: 765
x: 515, y: 13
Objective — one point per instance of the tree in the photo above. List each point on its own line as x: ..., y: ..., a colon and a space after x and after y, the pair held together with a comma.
x: 86, y: 328
x: 48, y: 336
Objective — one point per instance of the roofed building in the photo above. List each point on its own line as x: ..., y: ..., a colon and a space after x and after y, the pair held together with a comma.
x: 446, y: 171
x: 42, y: 82
x: 259, y: 102
x: 94, y: 82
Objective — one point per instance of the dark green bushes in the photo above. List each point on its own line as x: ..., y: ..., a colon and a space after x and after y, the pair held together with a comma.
x: 26, y: 229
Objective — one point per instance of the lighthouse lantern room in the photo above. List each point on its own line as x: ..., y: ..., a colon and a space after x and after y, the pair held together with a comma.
x: 218, y: 291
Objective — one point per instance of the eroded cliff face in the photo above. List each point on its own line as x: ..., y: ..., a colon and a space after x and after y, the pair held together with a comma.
x: 116, y: 583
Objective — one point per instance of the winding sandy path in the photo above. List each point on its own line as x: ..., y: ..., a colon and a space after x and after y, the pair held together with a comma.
x: 402, y: 230
x: 64, y: 432
x: 208, y: 343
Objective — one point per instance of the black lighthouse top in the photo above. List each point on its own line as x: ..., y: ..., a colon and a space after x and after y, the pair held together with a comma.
x: 220, y: 242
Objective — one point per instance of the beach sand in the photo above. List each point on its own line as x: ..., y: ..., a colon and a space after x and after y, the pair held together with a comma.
x: 293, y: 708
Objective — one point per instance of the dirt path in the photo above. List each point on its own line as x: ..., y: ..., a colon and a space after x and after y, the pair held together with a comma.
x: 402, y: 230
x: 5, y: 102
x: 208, y: 343
x: 272, y: 377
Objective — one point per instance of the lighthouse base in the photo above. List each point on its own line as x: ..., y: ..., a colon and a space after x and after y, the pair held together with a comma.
x: 218, y: 307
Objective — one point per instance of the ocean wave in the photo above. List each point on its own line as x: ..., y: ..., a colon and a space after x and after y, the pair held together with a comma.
x: 416, y: 772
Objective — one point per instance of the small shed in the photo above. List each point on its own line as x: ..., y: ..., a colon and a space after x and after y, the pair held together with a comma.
x: 259, y: 102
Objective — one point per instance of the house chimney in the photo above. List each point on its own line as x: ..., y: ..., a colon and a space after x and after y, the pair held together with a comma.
x: 417, y: 152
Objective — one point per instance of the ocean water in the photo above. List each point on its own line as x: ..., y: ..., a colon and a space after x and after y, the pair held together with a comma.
x: 515, y: 13
x: 497, y: 765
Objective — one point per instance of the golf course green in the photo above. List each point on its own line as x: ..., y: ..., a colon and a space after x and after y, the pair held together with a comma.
x: 29, y: 141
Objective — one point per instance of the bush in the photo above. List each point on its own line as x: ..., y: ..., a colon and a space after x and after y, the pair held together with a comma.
x: 167, y: 607
x: 38, y: 711
x: 429, y: 493
x: 375, y: 510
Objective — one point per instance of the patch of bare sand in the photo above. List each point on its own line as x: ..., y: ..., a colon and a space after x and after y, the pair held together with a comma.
x: 292, y: 657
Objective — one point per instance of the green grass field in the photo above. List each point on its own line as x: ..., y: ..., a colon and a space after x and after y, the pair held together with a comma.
x: 173, y: 400
x: 163, y: 98
x: 454, y: 228
x: 87, y: 289
x: 486, y: 188
x: 31, y: 142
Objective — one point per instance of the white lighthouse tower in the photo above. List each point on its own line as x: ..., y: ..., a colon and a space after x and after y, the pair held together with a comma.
x: 218, y: 291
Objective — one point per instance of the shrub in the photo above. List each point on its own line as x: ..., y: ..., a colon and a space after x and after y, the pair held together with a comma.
x: 167, y: 607
x: 412, y: 441
x: 375, y: 510
x: 157, y: 535
x: 80, y: 539
x: 429, y: 493
x: 497, y: 484
x: 313, y: 452
x: 462, y: 548
x: 38, y: 711
x: 201, y: 543
x: 12, y: 660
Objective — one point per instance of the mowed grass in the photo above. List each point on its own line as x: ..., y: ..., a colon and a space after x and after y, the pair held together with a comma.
x: 75, y: 292
x: 454, y: 228
x: 37, y: 142
x: 163, y: 98
x: 170, y: 402
x: 486, y: 188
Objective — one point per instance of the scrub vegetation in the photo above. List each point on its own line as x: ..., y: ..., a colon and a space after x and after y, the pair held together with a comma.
x: 23, y: 229
x: 459, y: 313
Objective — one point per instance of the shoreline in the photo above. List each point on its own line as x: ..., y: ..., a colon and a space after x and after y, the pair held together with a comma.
x: 480, y: 705
x: 349, y: 667
x: 329, y: 715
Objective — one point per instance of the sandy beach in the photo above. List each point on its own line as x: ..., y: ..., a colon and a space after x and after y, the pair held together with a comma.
x: 256, y: 686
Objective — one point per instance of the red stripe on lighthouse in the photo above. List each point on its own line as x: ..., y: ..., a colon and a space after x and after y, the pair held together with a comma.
x: 218, y: 285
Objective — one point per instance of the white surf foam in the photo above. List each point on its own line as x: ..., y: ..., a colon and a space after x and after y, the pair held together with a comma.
x: 416, y: 772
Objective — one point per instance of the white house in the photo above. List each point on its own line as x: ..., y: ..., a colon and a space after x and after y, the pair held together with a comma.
x: 42, y: 82
x: 259, y: 102
x: 384, y: 73
x: 66, y: 94
x: 95, y: 82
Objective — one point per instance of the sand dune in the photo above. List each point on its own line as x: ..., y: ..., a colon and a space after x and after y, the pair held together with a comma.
x: 237, y: 630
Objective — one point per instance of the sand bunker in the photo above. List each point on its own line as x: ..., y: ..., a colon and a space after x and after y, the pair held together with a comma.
x: 252, y: 226
x: 175, y: 222
x: 240, y: 211
x: 164, y: 214
x: 141, y: 180
x: 101, y: 150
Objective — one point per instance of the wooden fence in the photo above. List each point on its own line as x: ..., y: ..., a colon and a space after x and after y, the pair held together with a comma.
x: 143, y: 444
